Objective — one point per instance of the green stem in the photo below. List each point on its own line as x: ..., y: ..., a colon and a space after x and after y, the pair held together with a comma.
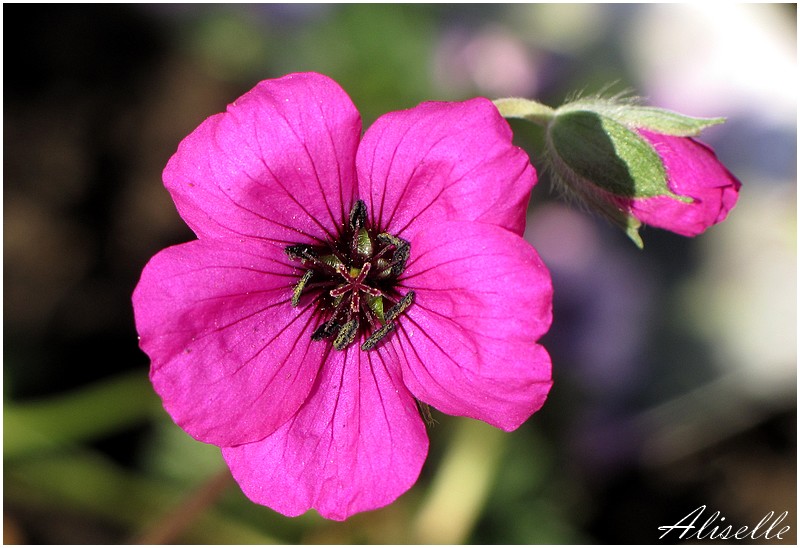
x: 526, y: 109
x: 456, y: 498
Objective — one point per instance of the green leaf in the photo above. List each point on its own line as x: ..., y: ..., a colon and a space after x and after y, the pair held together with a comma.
x: 608, y: 154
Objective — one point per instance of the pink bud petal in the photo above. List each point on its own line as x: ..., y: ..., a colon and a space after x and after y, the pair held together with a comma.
x: 693, y: 170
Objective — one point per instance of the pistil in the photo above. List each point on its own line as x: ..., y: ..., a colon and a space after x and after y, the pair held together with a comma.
x: 353, y: 279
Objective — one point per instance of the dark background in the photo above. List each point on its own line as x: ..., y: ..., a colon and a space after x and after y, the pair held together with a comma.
x: 675, y: 366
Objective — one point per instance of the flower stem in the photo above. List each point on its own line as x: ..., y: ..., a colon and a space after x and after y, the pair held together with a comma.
x: 456, y: 498
x: 527, y: 109
x: 168, y: 529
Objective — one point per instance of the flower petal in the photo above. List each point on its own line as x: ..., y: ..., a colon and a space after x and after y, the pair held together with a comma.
x: 443, y: 161
x: 231, y: 359
x: 693, y: 170
x: 280, y: 162
x: 467, y: 345
x: 357, y: 444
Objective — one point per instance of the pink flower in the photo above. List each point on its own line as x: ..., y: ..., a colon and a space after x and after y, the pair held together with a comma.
x: 335, y: 281
x: 693, y: 171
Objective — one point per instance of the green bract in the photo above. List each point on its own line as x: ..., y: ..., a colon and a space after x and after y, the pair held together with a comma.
x: 607, y: 154
x: 655, y: 119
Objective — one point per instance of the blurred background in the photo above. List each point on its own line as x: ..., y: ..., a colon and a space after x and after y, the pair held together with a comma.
x: 675, y: 367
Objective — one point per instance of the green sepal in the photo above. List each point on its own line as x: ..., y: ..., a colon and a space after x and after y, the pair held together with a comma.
x: 660, y: 120
x: 609, y: 155
x: 425, y: 412
x: 584, y: 191
x: 632, y: 225
x: 624, y: 220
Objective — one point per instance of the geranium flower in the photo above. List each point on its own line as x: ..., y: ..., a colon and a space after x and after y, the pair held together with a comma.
x: 338, y: 285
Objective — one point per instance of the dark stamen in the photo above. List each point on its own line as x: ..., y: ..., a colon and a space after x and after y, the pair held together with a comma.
x: 303, y: 252
x: 400, y: 307
x: 358, y: 215
x: 326, y: 330
x: 399, y: 259
x: 298, y: 289
x: 347, y: 334
x: 377, y: 336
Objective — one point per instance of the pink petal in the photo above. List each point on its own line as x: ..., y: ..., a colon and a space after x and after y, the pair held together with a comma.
x: 467, y: 345
x: 279, y: 164
x: 443, y: 161
x: 231, y: 359
x: 357, y: 444
x: 692, y: 170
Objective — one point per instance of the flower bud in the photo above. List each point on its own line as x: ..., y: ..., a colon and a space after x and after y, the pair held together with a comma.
x: 636, y: 164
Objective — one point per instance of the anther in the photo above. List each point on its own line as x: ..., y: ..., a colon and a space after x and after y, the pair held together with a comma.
x: 358, y: 215
x: 298, y: 289
x: 399, y: 258
x: 347, y: 334
x: 326, y: 330
x: 302, y: 252
x: 388, y: 239
x: 400, y: 307
x: 377, y: 336
x: 402, y: 250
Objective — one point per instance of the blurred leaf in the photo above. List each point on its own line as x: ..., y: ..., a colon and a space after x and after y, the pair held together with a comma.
x: 85, y: 482
x: 377, y: 52
x: 172, y: 454
x: 91, y: 412
x: 526, y: 502
x: 232, y: 44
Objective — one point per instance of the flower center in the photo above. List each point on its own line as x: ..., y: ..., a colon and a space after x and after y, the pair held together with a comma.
x: 352, y: 281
